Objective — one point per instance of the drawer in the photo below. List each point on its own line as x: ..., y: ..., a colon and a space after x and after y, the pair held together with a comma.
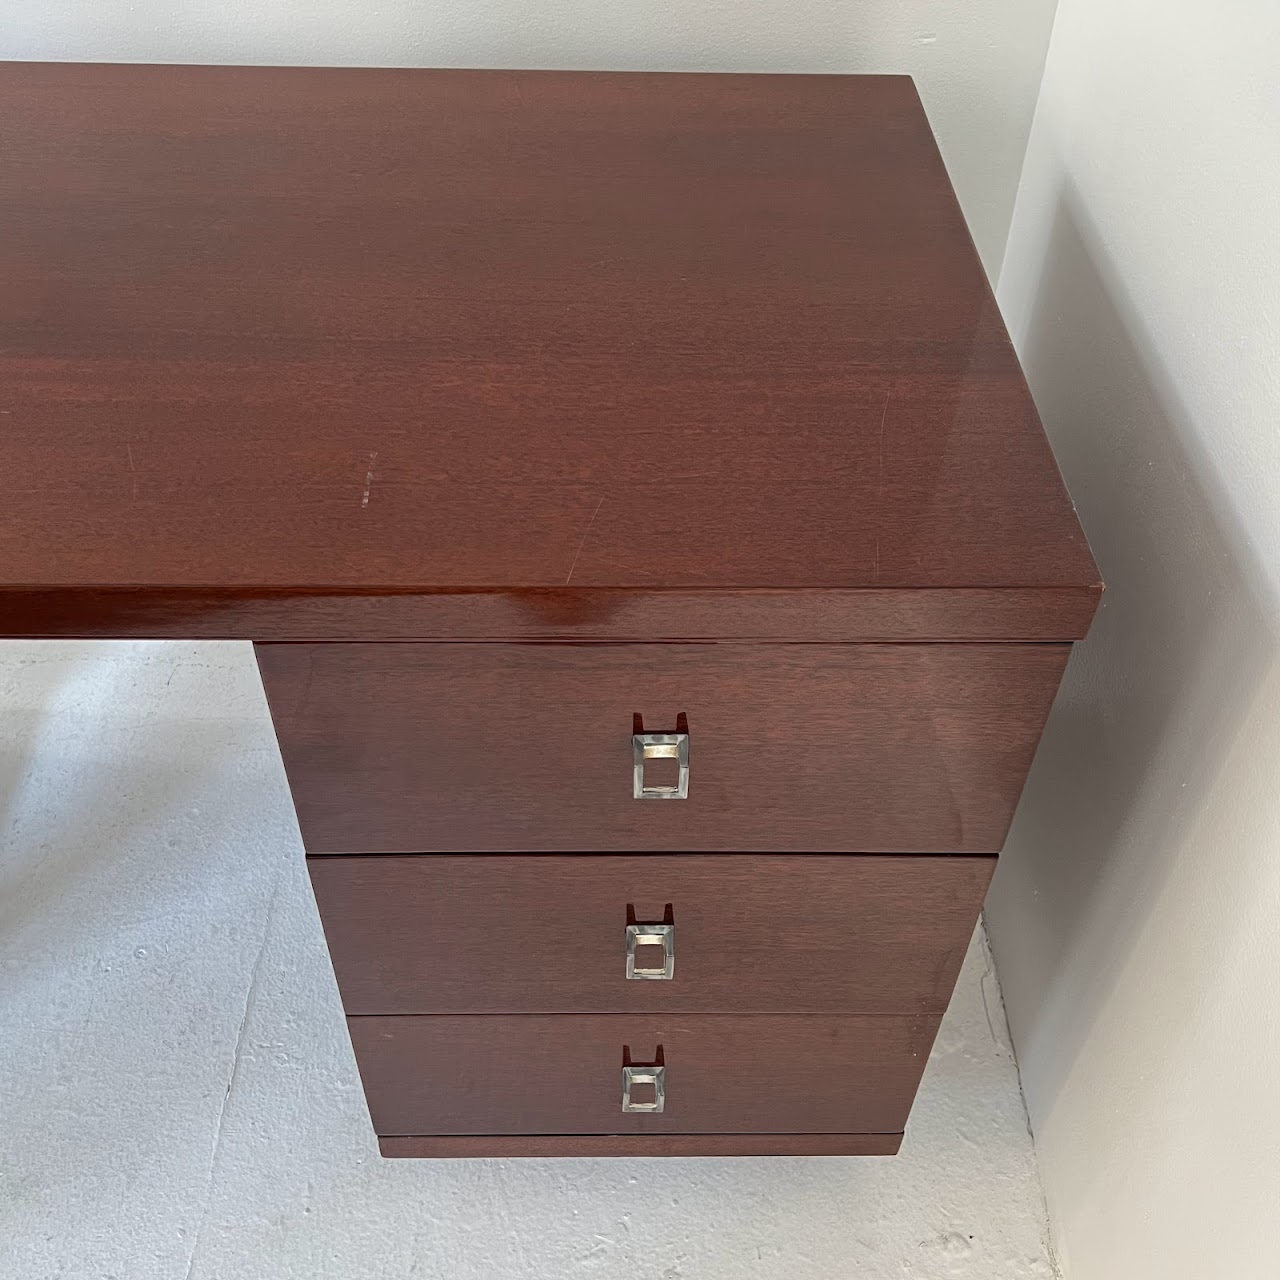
x: 786, y: 1073
x: 749, y: 933
x: 409, y: 748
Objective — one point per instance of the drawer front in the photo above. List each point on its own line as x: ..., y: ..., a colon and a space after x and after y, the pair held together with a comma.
x: 746, y: 933
x: 410, y: 748
x: 798, y: 1073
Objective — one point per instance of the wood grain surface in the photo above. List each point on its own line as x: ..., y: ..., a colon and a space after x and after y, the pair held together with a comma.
x: 759, y: 1073
x: 452, y: 748
x: 753, y: 933
x: 569, y: 614
x: 555, y: 1146
x: 270, y: 336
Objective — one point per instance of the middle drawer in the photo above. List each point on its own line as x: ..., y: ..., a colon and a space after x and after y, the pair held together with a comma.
x: 475, y: 933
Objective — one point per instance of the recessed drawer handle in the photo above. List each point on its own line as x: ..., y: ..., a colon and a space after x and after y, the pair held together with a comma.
x: 651, y: 935
x: 649, y: 1076
x: 661, y: 746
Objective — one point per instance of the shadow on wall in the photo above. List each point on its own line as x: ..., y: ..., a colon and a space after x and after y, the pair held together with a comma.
x: 1155, y: 697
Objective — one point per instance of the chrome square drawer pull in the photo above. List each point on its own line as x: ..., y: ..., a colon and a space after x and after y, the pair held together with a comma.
x: 651, y: 935
x: 651, y: 1075
x: 661, y: 746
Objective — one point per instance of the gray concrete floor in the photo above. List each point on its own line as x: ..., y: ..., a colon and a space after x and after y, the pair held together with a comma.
x: 178, y: 1098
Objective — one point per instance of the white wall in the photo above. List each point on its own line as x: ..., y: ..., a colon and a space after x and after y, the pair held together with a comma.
x: 977, y: 63
x: 1136, y: 915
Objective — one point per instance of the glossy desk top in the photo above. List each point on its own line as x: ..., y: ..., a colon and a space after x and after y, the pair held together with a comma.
x: 308, y: 352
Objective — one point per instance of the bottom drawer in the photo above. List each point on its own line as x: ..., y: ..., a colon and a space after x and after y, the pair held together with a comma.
x: 764, y: 1074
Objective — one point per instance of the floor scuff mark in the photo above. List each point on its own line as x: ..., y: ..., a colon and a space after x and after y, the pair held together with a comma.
x: 251, y: 991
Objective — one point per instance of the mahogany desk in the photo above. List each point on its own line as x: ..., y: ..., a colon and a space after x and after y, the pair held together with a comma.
x: 646, y: 534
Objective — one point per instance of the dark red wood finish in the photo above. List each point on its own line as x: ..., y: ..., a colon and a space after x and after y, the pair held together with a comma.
x: 592, y: 613
x: 272, y: 338
x: 562, y: 1074
x: 514, y: 374
x: 649, y: 1144
x: 754, y: 933
x: 511, y: 748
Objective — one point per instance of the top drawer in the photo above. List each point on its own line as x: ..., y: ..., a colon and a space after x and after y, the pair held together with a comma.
x: 494, y: 747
